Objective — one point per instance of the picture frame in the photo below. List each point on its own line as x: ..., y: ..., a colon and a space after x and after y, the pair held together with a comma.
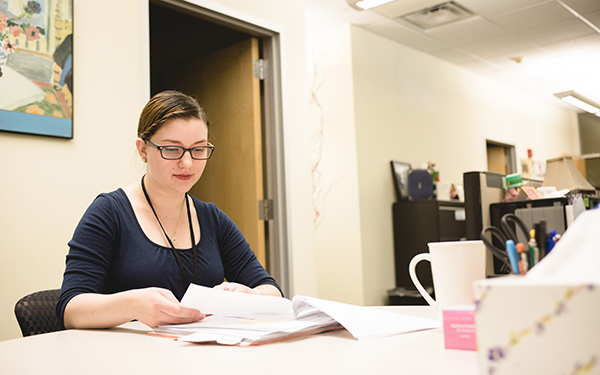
x: 400, y: 177
x: 36, y: 67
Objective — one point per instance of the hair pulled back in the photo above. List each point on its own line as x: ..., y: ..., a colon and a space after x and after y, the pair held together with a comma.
x: 165, y: 106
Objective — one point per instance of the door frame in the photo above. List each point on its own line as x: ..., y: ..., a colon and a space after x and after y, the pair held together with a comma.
x: 275, y: 188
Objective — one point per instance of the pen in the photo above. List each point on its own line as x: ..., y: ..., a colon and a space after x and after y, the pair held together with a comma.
x: 551, y: 241
x: 511, y: 250
x: 523, y: 263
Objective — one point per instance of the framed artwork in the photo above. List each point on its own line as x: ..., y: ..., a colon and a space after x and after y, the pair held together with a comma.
x: 400, y: 176
x: 36, y: 67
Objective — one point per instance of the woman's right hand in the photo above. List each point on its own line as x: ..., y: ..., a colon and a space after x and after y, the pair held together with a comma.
x: 157, y: 306
x: 151, y: 306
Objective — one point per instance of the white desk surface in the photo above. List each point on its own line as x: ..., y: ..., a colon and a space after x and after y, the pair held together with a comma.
x: 128, y: 350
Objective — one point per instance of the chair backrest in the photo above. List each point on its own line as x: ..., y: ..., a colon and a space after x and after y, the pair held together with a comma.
x: 36, y: 312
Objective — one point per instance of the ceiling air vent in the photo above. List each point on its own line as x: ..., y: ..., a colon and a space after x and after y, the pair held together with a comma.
x: 438, y: 15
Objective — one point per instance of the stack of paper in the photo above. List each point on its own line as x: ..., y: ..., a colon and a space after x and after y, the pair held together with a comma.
x: 247, y: 319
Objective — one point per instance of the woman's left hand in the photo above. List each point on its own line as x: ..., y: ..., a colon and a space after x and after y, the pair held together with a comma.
x: 237, y: 288
x: 264, y: 290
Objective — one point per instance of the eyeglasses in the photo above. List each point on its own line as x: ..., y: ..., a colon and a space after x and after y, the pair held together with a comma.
x: 177, y: 152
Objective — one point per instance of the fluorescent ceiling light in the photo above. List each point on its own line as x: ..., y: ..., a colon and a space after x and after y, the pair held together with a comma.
x: 368, y: 4
x: 579, y: 101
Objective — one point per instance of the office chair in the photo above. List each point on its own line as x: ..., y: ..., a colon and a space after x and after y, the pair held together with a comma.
x: 36, y: 312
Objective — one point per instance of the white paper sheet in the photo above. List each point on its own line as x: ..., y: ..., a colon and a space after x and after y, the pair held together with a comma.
x: 245, y: 319
x: 576, y: 257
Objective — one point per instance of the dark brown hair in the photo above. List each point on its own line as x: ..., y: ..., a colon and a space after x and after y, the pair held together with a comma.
x: 167, y: 105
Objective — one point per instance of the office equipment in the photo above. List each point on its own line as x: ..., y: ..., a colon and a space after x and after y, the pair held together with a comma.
x: 36, y: 312
x: 552, y: 212
x: 250, y: 319
x: 481, y: 190
x: 128, y: 350
x: 416, y: 223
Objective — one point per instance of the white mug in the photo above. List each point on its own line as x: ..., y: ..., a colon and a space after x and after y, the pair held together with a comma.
x: 454, y: 267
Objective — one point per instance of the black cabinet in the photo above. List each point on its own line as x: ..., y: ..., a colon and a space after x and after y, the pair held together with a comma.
x: 416, y: 223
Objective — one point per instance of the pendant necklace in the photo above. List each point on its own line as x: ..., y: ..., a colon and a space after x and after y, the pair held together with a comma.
x: 172, y: 240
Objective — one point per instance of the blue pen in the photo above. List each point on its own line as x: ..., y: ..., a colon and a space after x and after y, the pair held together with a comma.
x: 551, y: 241
x: 511, y: 250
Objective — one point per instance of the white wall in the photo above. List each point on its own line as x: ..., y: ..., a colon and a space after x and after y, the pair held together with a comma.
x: 333, y: 153
x: 415, y: 108
x: 48, y: 183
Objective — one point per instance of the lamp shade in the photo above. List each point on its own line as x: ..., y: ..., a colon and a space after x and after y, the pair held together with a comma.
x: 562, y: 173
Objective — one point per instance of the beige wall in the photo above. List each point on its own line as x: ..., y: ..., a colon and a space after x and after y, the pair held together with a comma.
x: 414, y: 108
x: 48, y: 183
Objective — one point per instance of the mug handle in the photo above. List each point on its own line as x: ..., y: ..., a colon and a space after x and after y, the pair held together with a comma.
x: 413, y: 276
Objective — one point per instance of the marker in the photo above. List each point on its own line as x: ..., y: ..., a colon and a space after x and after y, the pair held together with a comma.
x: 511, y: 250
x: 541, y: 237
x: 534, y: 252
x: 523, y: 263
x: 551, y: 241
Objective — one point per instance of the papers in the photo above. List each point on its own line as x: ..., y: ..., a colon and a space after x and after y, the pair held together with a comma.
x: 247, y: 319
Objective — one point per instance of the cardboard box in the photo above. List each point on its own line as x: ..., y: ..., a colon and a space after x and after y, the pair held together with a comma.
x: 539, y: 327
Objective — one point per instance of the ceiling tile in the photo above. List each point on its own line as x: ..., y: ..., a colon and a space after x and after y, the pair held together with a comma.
x: 543, y: 14
x: 532, y: 61
x: 583, y: 45
x: 481, y: 67
x: 406, y: 36
x: 594, y: 18
x: 583, y: 6
x: 490, y: 8
x: 556, y: 32
x: 503, y: 46
x: 468, y: 32
x: 455, y: 57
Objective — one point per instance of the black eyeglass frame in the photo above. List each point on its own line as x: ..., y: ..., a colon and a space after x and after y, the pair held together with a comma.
x: 160, y: 149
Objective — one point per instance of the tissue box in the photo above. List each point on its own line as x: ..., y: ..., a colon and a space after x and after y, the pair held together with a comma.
x: 540, y: 327
x: 459, y: 327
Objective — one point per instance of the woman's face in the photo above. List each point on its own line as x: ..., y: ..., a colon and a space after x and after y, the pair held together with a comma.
x: 175, y: 175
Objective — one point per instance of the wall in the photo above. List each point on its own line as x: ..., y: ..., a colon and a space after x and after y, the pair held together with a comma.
x: 48, y: 183
x: 333, y: 154
x: 589, y: 128
x: 415, y: 108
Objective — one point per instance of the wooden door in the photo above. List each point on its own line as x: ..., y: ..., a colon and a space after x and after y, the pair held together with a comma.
x: 224, y: 84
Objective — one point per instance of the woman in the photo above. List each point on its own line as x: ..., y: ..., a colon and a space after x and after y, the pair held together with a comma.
x: 136, y: 249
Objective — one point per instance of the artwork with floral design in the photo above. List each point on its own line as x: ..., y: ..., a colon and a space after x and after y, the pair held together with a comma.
x: 36, y: 66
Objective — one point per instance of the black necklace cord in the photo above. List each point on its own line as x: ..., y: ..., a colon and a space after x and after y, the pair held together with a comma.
x: 174, y: 251
x: 193, y: 238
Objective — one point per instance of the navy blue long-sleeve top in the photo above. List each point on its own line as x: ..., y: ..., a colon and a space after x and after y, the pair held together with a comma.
x: 110, y: 253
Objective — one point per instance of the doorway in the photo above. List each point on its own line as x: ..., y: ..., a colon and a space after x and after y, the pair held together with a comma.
x: 220, y: 60
x: 501, y: 158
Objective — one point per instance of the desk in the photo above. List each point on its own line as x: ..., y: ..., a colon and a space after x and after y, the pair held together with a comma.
x: 127, y: 350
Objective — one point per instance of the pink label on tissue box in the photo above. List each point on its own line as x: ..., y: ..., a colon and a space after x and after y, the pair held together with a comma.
x: 459, y: 329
